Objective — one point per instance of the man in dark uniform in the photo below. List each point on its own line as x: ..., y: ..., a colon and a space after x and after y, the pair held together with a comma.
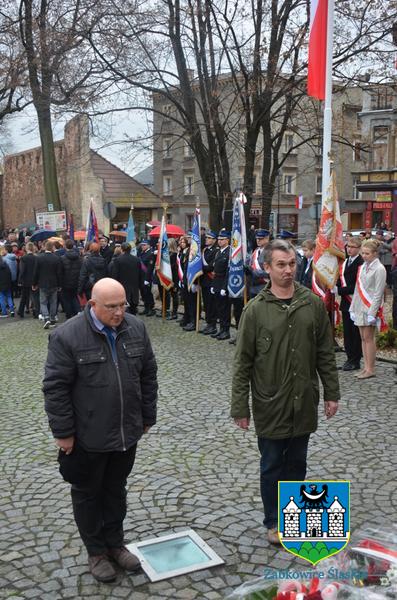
x: 219, y: 288
x: 147, y: 266
x: 258, y: 276
x: 207, y: 281
x: 346, y: 285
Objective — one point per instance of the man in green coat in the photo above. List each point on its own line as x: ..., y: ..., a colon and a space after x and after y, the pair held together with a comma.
x: 284, y: 343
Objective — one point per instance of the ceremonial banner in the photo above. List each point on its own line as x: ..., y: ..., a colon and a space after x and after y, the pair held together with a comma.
x: 92, y: 234
x: 163, y: 263
x: 195, y: 264
x: 330, y: 249
x: 131, y: 238
x: 236, y: 282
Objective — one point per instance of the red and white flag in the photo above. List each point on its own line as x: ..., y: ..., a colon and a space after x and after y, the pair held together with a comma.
x: 299, y: 202
x: 330, y: 250
x: 317, y: 48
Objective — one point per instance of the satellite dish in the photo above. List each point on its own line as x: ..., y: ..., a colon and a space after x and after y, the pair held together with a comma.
x: 109, y: 210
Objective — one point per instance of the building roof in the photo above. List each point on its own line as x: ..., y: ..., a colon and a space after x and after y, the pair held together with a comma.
x: 121, y: 188
x: 146, y: 176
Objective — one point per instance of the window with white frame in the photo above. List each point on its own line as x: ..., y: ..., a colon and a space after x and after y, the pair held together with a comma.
x: 288, y: 142
x: 289, y: 184
x: 187, y: 150
x: 189, y: 185
x: 167, y: 185
x: 167, y: 148
x: 319, y: 184
x: 356, y: 194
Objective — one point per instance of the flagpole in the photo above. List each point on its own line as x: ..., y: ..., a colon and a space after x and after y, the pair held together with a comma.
x: 327, y: 126
x: 198, y: 308
x: 163, y: 306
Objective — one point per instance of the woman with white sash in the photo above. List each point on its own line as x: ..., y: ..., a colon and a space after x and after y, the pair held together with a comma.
x: 366, y: 306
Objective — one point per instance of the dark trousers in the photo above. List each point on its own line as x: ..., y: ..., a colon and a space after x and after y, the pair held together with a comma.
x: 209, y: 306
x: 100, y: 505
x: 147, y: 297
x: 222, y: 304
x: 172, y: 294
x: 394, y: 308
x: 70, y: 301
x: 27, y: 296
x: 281, y: 460
x: 238, y: 305
x: 351, y: 339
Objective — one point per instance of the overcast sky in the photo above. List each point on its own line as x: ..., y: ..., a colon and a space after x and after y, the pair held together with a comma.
x: 132, y: 158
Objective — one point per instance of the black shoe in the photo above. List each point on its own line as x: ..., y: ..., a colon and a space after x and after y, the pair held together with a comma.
x: 143, y: 312
x: 172, y: 318
x: 182, y: 323
x: 21, y: 316
x: 224, y: 335
x: 216, y: 334
x: 351, y: 367
x: 343, y: 367
x: 233, y: 341
x: 151, y: 313
x: 190, y: 327
x: 209, y: 330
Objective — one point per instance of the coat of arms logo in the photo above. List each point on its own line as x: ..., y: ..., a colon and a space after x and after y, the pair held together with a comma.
x: 314, y: 518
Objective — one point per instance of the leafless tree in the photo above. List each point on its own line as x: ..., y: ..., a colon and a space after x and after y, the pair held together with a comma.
x: 249, y: 61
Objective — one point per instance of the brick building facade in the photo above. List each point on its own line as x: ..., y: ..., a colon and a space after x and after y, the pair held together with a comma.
x: 82, y: 174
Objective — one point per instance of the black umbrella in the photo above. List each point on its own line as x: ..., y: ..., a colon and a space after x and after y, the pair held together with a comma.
x: 42, y: 234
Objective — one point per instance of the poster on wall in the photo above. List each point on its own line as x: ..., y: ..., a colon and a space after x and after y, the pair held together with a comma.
x: 55, y: 220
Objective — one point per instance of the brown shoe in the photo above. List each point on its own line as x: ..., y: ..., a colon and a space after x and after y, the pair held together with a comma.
x: 101, y: 568
x: 125, y: 559
x: 272, y: 537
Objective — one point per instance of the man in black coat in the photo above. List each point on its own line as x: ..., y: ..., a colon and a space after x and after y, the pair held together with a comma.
x: 207, y: 281
x: 25, y: 281
x: 71, y: 266
x: 126, y: 269
x: 346, y: 285
x: 106, y: 252
x: 219, y: 287
x: 147, y: 267
x: 100, y: 389
x: 47, y: 277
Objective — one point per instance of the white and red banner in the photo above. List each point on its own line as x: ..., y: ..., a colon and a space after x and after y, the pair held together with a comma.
x: 299, y: 202
x: 316, y: 73
x: 330, y: 248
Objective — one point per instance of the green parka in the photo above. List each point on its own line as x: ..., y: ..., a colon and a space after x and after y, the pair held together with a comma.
x: 281, y: 350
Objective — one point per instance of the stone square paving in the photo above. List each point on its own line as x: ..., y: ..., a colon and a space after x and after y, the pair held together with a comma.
x: 195, y: 469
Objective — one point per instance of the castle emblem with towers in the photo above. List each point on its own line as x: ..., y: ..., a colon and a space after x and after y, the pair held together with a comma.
x: 314, y: 507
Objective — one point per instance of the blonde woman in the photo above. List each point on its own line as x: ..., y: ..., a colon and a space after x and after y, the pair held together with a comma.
x: 366, y: 303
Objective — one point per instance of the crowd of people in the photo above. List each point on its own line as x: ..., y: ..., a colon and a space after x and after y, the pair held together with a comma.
x: 49, y: 275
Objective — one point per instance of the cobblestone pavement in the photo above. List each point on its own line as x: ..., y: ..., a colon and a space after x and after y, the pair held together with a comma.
x: 194, y: 469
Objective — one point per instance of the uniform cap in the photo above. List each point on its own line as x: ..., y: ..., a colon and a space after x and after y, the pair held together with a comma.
x: 223, y: 234
x: 262, y: 233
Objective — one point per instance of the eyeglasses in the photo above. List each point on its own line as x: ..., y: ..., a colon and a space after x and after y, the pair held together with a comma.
x: 115, y: 307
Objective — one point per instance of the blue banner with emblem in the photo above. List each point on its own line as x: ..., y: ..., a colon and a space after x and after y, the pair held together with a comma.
x: 195, y: 265
x: 236, y: 281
